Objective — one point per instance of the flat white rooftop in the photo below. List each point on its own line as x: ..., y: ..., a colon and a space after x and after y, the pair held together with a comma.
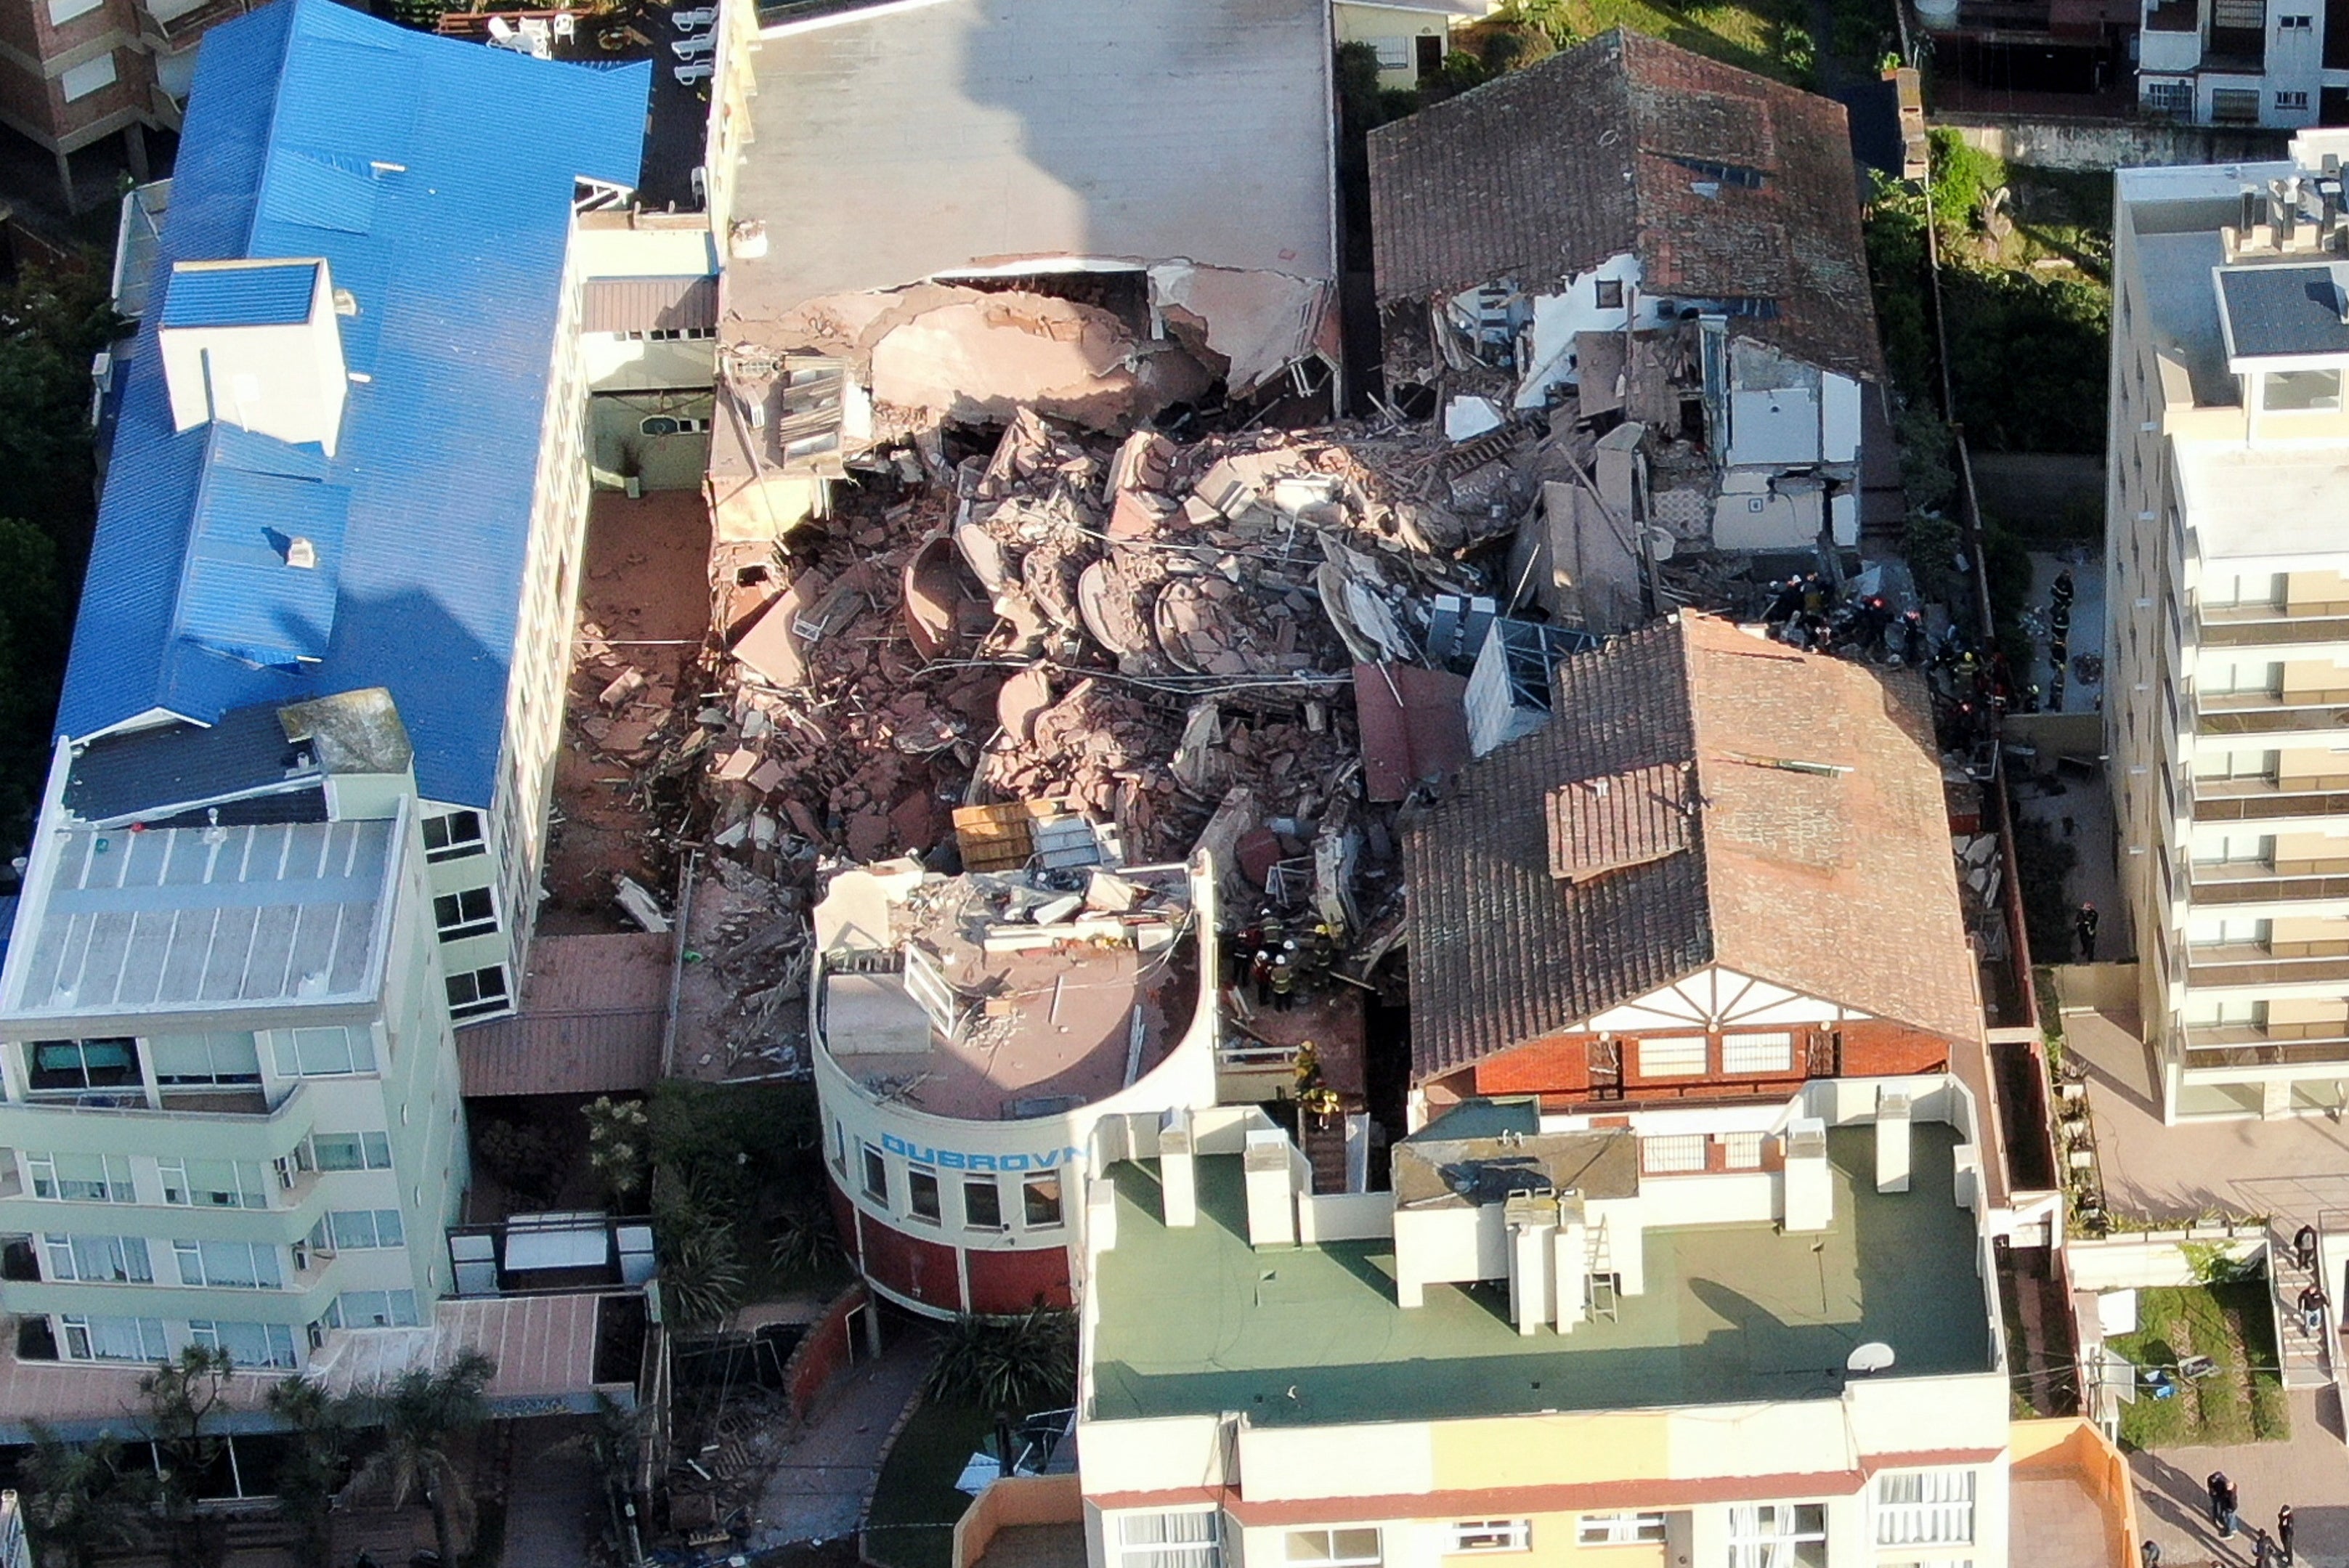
x: 2267, y: 502
x: 176, y: 920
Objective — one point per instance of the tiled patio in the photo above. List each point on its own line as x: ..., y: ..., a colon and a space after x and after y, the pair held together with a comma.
x: 2292, y: 1167
x: 2310, y: 1472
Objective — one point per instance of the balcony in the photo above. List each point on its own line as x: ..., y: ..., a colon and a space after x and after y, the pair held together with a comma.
x: 2271, y: 629
x: 2243, y: 883
x: 212, y: 1124
x: 2267, y: 712
x: 2246, y: 1046
x: 2264, y: 800
x: 2237, y: 965
x: 175, y: 23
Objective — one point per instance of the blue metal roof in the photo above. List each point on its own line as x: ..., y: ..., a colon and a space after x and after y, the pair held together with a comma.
x: 274, y: 295
x: 435, y: 178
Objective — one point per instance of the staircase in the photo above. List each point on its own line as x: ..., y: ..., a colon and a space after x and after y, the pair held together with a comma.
x: 2307, y: 1357
x: 1323, y: 1139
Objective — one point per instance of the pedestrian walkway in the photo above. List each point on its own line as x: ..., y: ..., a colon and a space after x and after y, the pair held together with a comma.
x: 557, y: 1508
x: 2307, y: 1363
x: 2310, y: 1472
x: 821, y: 1482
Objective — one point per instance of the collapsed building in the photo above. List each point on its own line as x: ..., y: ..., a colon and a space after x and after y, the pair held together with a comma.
x: 959, y: 209
x: 1664, y: 252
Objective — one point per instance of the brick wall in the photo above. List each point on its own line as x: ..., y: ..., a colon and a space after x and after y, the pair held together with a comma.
x: 829, y: 1350
x: 1559, y: 1068
x: 920, y: 1270
x: 1014, y: 1281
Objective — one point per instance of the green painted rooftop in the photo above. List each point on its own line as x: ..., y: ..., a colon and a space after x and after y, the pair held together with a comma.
x: 1195, y: 1321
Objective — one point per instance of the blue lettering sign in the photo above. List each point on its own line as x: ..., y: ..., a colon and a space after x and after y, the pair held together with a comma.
x: 957, y: 1160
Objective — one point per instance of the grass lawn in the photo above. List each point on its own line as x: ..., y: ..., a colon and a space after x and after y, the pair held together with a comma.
x: 1744, y: 34
x: 2241, y: 1402
x: 916, y: 1505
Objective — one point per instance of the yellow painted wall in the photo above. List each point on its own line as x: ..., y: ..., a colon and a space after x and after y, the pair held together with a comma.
x: 1537, y: 1451
x: 2315, y: 592
x: 1367, y: 23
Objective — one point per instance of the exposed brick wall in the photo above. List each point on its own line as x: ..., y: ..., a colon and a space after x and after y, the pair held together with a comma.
x: 828, y: 1351
x: 1888, y: 1051
x: 1558, y: 1069
x: 844, y: 1218
x: 1560, y: 1065
x: 1014, y: 1281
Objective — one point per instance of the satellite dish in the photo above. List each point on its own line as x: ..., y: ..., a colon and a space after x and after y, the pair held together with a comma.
x: 1873, y: 1357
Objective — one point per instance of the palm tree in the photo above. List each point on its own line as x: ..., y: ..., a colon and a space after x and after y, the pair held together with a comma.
x: 421, y: 1414
x: 1007, y: 1363
x: 313, y: 1469
x: 78, y: 1504
x: 181, y: 1396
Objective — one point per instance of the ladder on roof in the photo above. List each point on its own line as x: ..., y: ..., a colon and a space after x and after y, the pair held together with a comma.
x: 1606, y: 1285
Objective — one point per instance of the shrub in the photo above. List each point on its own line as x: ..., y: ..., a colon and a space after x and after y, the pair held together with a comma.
x: 1007, y: 1364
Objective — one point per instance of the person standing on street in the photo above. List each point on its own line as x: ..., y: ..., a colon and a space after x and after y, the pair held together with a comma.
x: 2084, y: 926
x: 2284, y: 1531
x: 2263, y: 1550
x: 2223, y: 1499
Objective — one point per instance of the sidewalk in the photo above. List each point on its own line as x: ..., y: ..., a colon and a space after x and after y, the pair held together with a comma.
x: 2310, y: 1472
x: 818, y: 1490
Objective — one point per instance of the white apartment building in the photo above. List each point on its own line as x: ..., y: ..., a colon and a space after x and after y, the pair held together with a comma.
x: 2250, y: 63
x: 1567, y: 1343
x: 2228, y: 657
x: 298, y: 807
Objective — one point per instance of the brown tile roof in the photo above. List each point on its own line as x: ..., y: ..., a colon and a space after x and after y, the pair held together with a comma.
x: 1816, y: 854
x: 592, y: 1011
x: 1549, y: 170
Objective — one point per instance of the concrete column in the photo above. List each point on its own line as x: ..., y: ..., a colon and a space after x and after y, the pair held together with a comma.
x: 1571, y: 1266
x: 1271, y: 1194
x: 1892, y: 1141
x: 1178, y: 1178
x: 1810, y: 1183
x: 2275, y: 1098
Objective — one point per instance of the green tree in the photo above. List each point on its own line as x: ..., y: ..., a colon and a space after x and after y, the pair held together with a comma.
x: 79, y: 1505
x: 422, y: 1414
x: 314, y: 1465
x: 701, y: 1277
x: 1009, y: 1363
x: 181, y: 1396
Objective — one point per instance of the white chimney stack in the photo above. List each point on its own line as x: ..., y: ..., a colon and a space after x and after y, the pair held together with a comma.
x: 1892, y: 1120
x: 1810, y: 1185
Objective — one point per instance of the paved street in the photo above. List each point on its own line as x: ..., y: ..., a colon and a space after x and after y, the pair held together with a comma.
x: 2310, y: 1472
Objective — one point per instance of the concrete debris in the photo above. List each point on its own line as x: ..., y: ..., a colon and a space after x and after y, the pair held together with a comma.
x: 640, y: 905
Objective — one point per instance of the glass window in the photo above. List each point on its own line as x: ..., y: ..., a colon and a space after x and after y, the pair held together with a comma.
x: 114, y: 1339
x: 2301, y: 391
x: 876, y: 1175
x: 1180, y: 1538
x: 479, y: 992
x: 229, y: 1265
x: 359, y: 1228
x: 1609, y: 294
x: 81, y: 1178
x: 374, y: 1309
x: 83, y: 1063
x: 324, y: 1053
x: 80, y: 81
x: 1394, y: 54
x: 453, y: 837
x: 1619, y: 1529
x: 982, y: 1204
x: 205, y: 1058
x: 351, y: 1151
x: 214, y: 1184
x: 1491, y: 1536
x: 1925, y: 1508
x: 1743, y: 1151
x: 921, y: 1192
x: 1683, y: 1056
x: 1777, y: 1535
x: 247, y: 1344
x: 469, y: 913
x: 1333, y: 1548
x: 1759, y: 1053
x: 101, y: 1260
x: 1040, y: 1195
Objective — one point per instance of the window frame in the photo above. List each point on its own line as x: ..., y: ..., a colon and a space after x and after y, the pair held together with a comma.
x: 473, y: 913
x: 1497, y: 1535
x: 972, y: 1185
x: 877, y: 1174
x: 1672, y: 1060
x: 923, y: 1200
x: 451, y: 826
x: 1331, y: 1556
x: 1036, y: 1185
x: 1779, y: 1045
x: 1622, y: 1527
x: 81, y: 1048
x: 1925, y: 1517
x: 1206, y: 1552
x: 481, y: 1003
x: 122, y: 1192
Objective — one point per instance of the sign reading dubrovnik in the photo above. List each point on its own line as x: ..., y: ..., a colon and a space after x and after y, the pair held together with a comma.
x: 956, y: 1160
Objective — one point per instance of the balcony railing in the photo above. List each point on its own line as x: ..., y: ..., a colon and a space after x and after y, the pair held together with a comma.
x: 2250, y: 965
x: 184, y: 26
x: 2264, y: 884
x: 2279, y: 631
x: 2226, y: 1046
x: 2264, y: 713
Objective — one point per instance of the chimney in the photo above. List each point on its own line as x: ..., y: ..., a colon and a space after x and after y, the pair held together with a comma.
x: 1571, y: 1256
x: 1271, y: 1192
x: 1530, y: 1220
x: 2285, y: 202
x: 1810, y: 1183
x: 1892, y: 1141
x: 1178, y: 1171
x: 2251, y: 216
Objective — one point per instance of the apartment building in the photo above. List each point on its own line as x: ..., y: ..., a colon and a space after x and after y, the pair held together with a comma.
x: 1722, y: 868
x: 2246, y: 63
x: 1545, y: 1340
x: 2228, y: 646
x: 969, y: 1032
x: 297, y: 811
